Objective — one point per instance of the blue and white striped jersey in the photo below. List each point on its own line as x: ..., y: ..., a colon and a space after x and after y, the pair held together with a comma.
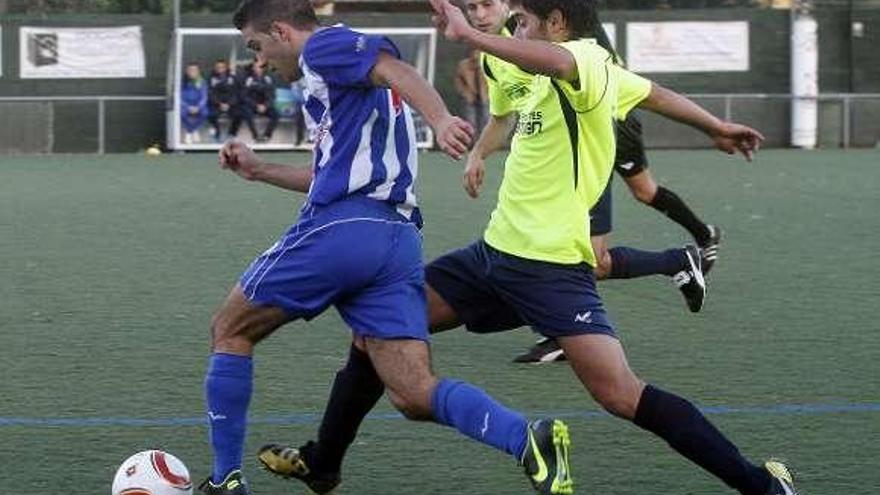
x: 364, y: 135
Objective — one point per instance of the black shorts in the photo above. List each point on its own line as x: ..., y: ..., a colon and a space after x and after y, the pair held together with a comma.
x: 492, y: 291
x: 630, y: 159
x: 600, y: 213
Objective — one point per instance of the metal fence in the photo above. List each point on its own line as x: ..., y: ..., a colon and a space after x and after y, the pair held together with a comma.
x: 845, y: 101
x: 105, y: 124
x: 80, y: 124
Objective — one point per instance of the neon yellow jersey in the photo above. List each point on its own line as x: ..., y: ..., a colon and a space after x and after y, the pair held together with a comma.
x: 507, y: 83
x: 561, y: 158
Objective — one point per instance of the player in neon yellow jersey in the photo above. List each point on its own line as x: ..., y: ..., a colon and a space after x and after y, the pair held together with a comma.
x: 506, y: 81
x: 534, y: 266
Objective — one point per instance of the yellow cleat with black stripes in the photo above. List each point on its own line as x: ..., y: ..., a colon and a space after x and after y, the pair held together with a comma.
x: 290, y: 463
x: 545, y: 459
x: 783, y: 482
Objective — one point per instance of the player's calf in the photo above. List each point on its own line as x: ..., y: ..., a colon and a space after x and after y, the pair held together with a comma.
x: 404, y: 365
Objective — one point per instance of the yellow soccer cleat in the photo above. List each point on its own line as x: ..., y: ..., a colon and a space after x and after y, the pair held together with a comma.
x: 783, y: 481
x: 290, y: 463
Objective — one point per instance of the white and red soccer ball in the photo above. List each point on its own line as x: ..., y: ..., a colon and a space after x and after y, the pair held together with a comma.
x: 152, y: 472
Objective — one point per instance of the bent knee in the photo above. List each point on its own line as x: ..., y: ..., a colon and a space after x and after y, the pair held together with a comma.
x: 413, y: 400
x: 603, y: 265
x: 644, y: 194
x: 621, y: 400
x: 412, y: 407
x: 228, y: 337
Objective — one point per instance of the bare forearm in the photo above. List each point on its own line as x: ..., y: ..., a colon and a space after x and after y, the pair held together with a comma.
x: 418, y: 94
x: 679, y: 108
x: 493, y: 137
x: 284, y: 176
x: 536, y: 57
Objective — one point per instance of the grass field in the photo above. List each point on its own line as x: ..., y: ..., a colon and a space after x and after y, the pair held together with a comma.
x: 111, y: 267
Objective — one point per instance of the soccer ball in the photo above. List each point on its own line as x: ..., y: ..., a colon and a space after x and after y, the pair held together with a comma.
x: 152, y: 472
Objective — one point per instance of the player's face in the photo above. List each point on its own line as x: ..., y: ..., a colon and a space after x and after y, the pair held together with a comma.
x: 276, y: 51
x: 529, y: 26
x: 488, y: 16
x: 220, y: 68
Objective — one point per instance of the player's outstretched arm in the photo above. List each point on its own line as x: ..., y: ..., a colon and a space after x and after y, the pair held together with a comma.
x: 239, y: 158
x: 533, y: 56
x: 493, y: 138
x: 454, y: 135
x: 729, y: 137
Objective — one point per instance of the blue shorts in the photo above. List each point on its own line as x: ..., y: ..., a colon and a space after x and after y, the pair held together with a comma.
x: 492, y: 291
x: 600, y: 213
x: 358, y: 255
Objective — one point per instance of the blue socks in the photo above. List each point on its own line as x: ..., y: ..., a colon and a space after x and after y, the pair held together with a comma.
x: 472, y: 412
x: 632, y: 263
x: 228, y: 387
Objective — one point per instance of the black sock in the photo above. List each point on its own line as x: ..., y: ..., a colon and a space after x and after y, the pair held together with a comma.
x: 668, y: 203
x: 686, y: 430
x: 355, y: 391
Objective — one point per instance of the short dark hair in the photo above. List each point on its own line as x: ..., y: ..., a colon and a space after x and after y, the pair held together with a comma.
x: 579, y: 14
x: 260, y: 14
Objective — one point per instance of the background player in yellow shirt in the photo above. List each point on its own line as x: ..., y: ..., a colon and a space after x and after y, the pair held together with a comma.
x: 685, y: 265
x: 534, y: 264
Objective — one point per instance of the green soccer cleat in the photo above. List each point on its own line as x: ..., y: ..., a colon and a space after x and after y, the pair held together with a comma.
x: 234, y: 484
x: 783, y: 483
x: 546, y: 457
x: 289, y: 463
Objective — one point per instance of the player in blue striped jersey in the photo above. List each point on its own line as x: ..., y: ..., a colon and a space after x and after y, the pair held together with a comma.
x: 356, y: 245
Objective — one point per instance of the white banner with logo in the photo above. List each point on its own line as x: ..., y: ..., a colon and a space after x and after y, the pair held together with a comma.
x: 687, y: 46
x: 81, y: 53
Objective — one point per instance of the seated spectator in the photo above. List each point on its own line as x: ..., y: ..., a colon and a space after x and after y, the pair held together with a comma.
x: 224, y: 98
x: 258, y: 93
x: 193, y: 103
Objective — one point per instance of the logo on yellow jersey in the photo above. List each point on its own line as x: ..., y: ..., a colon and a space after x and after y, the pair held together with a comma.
x: 530, y: 123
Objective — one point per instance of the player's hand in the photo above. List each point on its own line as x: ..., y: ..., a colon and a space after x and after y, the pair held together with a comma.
x: 454, y: 136
x: 473, y: 175
x: 450, y: 20
x: 239, y: 158
x: 732, y: 137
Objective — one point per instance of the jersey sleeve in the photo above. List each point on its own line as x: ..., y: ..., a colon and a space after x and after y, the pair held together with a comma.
x: 499, y: 104
x: 593, y: 66
x: 632, y: 89
x: 343, y: 57
x: 502, y: 76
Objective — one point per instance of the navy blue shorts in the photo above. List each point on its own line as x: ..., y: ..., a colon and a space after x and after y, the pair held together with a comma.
x: 492, y: 291
x: 630, y: 158
x: 600, y: 213
x: 358, y: 255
